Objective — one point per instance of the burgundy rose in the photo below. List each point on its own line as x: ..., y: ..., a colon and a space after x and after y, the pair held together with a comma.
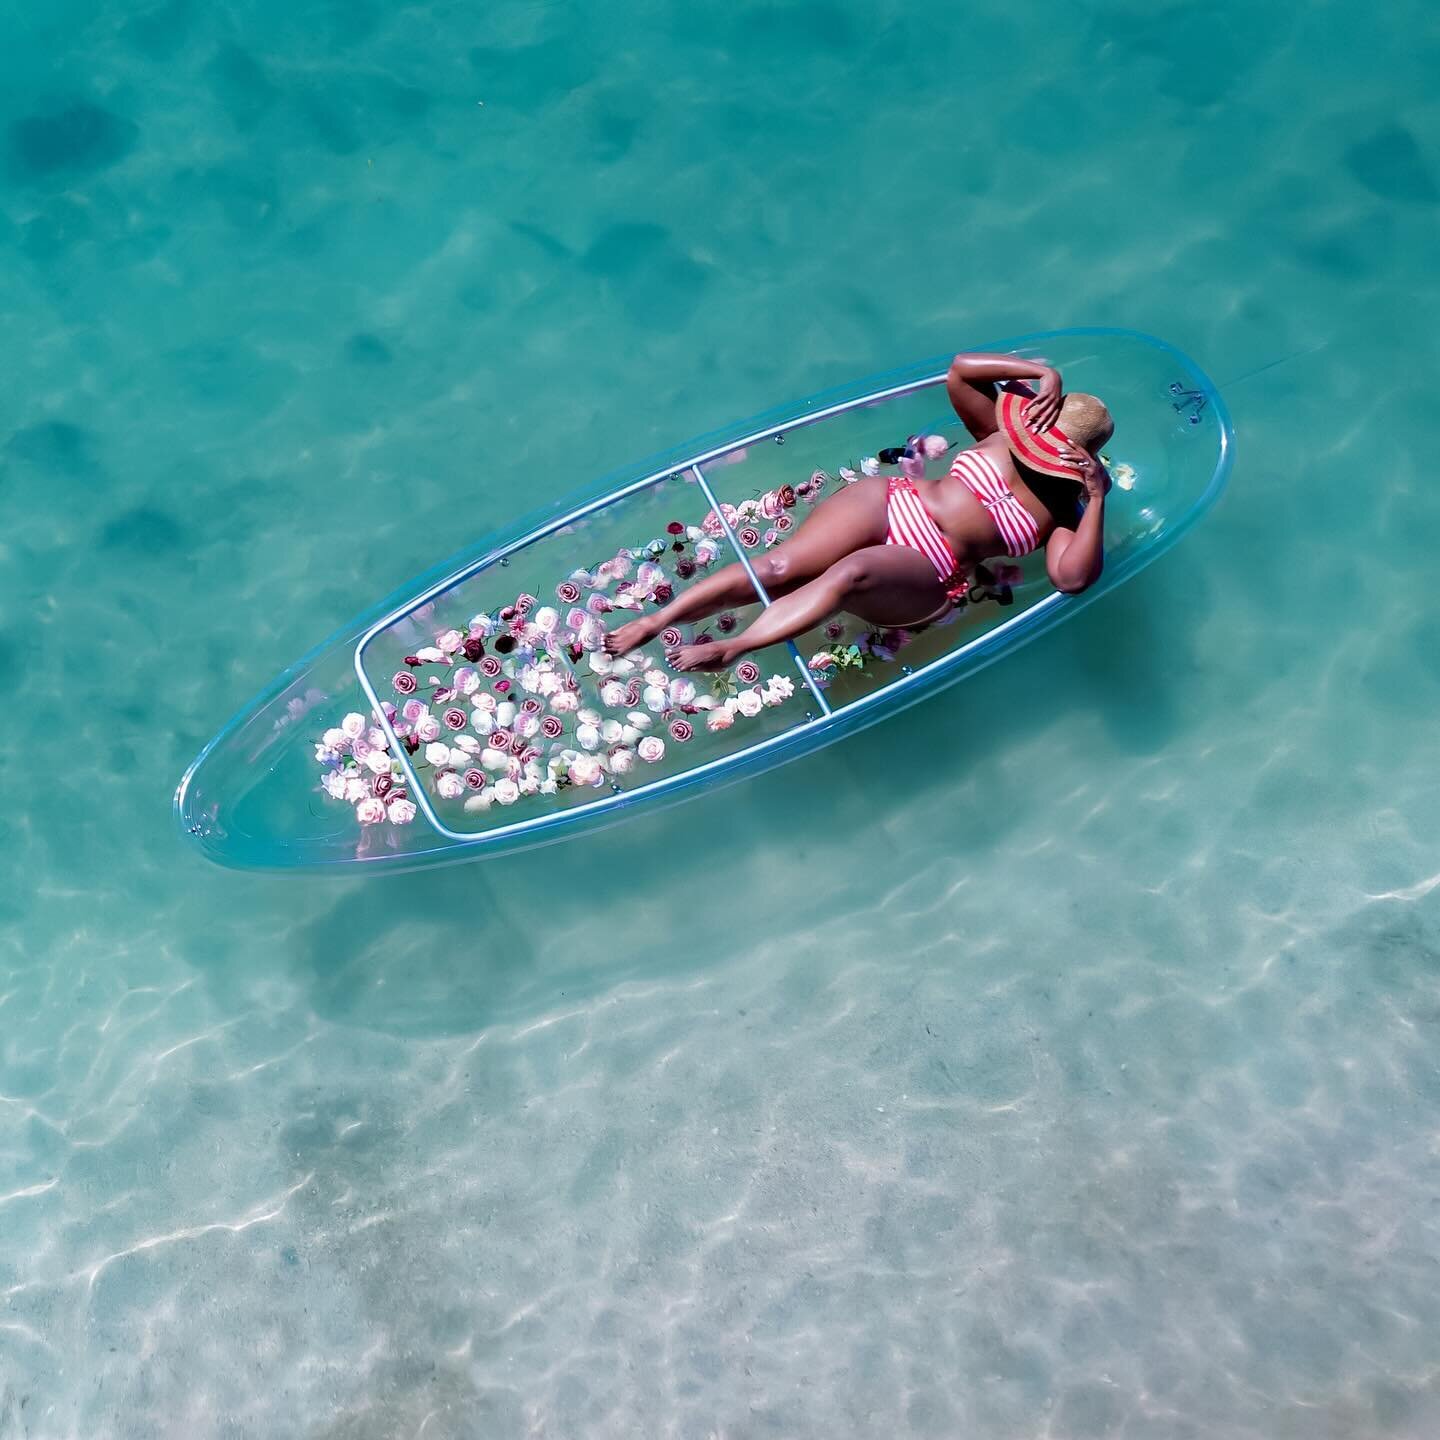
x: 685, y: 568
x: 411, y: 744
x: 490, y: 667
x: 530, y: 705
x: 704, y: 638
x: 674, y: 528
x: 501, y: 687
x: 568, y: 592
x: 670, y: 637
x: 725, y: 623
x: 574, y: 650
x: 681, y: 730
x: 507, y: 614
x: 664, y: 593
x: 747, y: 672
x: 383, y: 785
x: 834, y: 630
x: 401, y: 794
x: 499, y: 739
x: 454, y: 717
x: 552, y: 727
x: 748, y: 536
x: 474, y: 648
x: 787, y: 496
x: 404, y: 682
x: 474, y: 779
x: 413, y: 660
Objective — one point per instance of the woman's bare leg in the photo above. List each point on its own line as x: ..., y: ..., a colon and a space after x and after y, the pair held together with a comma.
x: 847, y: 521
x: 884, y: 584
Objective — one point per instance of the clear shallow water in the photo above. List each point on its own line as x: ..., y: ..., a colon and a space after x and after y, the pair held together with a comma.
x: 1059, y: 1059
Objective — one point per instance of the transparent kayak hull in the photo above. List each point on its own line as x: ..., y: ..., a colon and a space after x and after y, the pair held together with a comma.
x: 253, y: 798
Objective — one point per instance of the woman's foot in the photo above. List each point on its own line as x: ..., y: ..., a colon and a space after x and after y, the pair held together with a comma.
x: 714, y: 656
x: 633, y: 635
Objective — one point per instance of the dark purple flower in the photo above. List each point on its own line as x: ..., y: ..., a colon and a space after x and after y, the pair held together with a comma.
x: 664, y: 592
x: 474, y: 648
x: 725, y: 623
x: 504, y: 643
x: 685, y: 568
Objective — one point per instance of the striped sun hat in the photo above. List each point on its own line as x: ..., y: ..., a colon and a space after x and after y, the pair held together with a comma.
x: 1083, y: 424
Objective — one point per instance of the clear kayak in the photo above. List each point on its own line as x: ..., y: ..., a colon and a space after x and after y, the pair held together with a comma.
x: 474, y: 711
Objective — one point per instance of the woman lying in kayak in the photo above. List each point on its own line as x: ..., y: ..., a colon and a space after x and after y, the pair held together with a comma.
x: 896, y: 553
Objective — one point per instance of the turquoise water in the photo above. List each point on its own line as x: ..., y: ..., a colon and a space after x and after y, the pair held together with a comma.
x: 1058, y: 1059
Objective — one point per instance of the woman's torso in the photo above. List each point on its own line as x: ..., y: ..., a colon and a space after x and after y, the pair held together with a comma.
x: 972, y: 529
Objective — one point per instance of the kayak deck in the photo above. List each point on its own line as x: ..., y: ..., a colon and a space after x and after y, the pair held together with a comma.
x: 254, y: 796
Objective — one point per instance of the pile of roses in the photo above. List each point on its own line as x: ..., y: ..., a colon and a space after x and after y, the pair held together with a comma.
x: 495, y: 712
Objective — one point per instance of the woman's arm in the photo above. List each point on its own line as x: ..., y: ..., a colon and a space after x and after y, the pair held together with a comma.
x: 971, y: 386
x: 1074, y: 559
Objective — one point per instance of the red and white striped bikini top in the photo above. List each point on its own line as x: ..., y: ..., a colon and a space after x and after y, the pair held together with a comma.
x: 980, y: 475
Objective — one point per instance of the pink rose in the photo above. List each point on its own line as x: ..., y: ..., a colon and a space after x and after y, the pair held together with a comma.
x: 568, y: 592
x: 499, y: 739
x: 524, y: 604
x: 747, y: 672
x: 427, y: 729
x: 599, y: 605
x: 370, y: 811
x: 680, y: 730
x: 670, y: 637
x: 401, y: 812
x: 474, y: 779
x: 454, y: 717
x: 784, y: 524
x: 450, y: 641
x: 934, y: 446
x: 404, y: 682
x: 711, y: 526
x: 530, y: 706
x: 770, y: 505
x: 412, y: 710
x: 552, y: 727
x: 490, y: 667
x: 748, y: 536
x: 772, y: 537
x: 719, y: 720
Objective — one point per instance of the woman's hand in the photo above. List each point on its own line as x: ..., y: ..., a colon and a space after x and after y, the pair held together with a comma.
x: 1040, y: 413
x: 1092, y: 473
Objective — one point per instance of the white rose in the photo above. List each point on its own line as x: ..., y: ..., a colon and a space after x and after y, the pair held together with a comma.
x: 612, y: 692
x: 585, y: 770
x: 587, y: 737
x: 719, y: 720
x: 468, y: 744
x: 493, y: 759
x: 749, y: 703
x: 588, y: 716
x: 592, y: 635
x: 355, y: 789
x: 370, y: 811
x: 622, y: 665
x: 505, y: 713
x: 466, y: 680
x: 640, y: 720
x: 334, y: 784
x: 682, y: 691
x: 427, y: 728
x: 526, y: 724
x: 564, y: 701
x: 655, y: 697
x: 651, y: 748
x: 485, y: 701
x: 622, y: 761
x: 600, y: 662
x: 377, y: 739
x: 869, y: 466
x: 507, y: 792
x: 483, y: 721
x: 401, y: 812
x: 529, y: 679
x: 353, y: 725
x: 654, y: 676
x: 529, y: 784
x: 629, y: 734
x: 437, y: 754
x: 481, y: 800
x: 481, y: 625
x: 324, y: 754
x: 546, y: 619
x: 449, y: 786
x: 430, y: 655
x: 334, y: 739
x: 377, y: 762
x: 549, y: 787
x: 549, y: 682
x: 611, y: 731
x: 704, y: 702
